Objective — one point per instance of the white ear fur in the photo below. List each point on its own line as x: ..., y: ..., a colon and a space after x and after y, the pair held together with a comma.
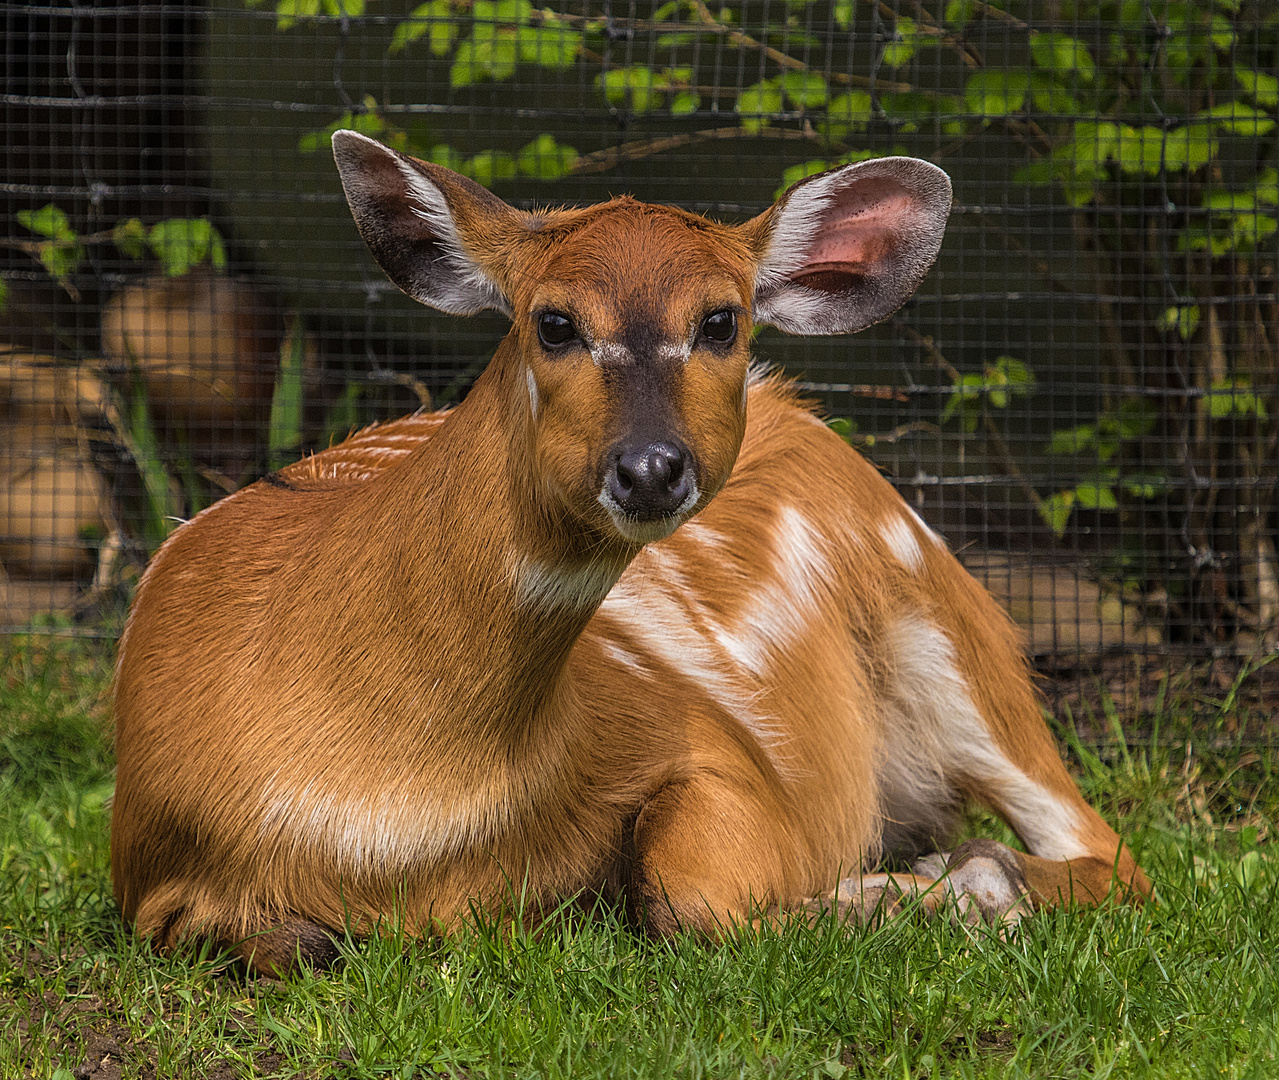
x: 405, y: 217
x: 846, y: 248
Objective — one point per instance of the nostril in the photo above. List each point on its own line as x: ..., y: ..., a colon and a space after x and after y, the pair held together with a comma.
x: 625, y: 479
x: 651, y: 480
x: 674, y: 467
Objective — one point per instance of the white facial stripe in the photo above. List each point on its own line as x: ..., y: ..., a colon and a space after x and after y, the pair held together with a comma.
x: 611, y: 352
x: 532, y: 391
x: 548, y: 589
x: 900, y: 538
x: 674, y: 352
x: 933, y: 731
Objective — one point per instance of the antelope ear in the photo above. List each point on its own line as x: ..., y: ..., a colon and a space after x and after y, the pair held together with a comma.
x: 428, y: 227
x: 846, y: 248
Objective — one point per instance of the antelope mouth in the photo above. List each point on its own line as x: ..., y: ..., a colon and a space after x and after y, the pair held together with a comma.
x: 638, y: 528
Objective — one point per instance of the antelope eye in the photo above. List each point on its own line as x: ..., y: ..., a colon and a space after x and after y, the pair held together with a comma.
x: 554, y: 329
x: 720, y: 326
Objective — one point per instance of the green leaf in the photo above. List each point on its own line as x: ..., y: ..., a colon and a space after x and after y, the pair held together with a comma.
x: 1141, y: 486
x: 181, y: 243
x: 434, y: 18
x: 637, y: 85
x: 1266, y: 187
x: 502, y: 11
x: 344, y: 416
x: 1096, y: 497
x: 1094, y: 142
x: 443, y: 154
x: 284, y: 430
x: 554, y: 44
x: 1239, y: 119
x: 1184, y: 319
x: 757, y: 103
x: 996, y: 93
x: 806, y: 89
x: 370, y: 122
x: 1063, y: 56
x: 899, y: 53
x: 1037, y: 172
x: 287, y: 12
x: 163, y: 507
x: 489, y: 53
x: 847, y: 112
x: 1011, y: 372
x: 1136, y: 418
x: 1056, y: 509
x: 1140, y: 151
x: 1073, y: 440
x: 1228, y: 397
x: 47, y: 221
x: 545, y: 159
x: 841, y: 427
x: 1263, y: 89
x: 685, y: 103
x: 843, y: 13
x: 130, y: 238
x: 1050, y: 98
x: 489, y: 166
x: 60, y: 258
x: 4, y: 296
x: 1190, y: 147
x: 958, y: 12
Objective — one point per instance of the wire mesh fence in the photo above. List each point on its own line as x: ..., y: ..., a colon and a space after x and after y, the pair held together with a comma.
x: 1082, y: 397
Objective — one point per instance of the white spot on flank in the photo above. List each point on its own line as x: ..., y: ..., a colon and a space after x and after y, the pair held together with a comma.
x: 625, y: 657
x: 701, y: 534
x: 655, y: 610
x: 729, y: 662
x: 934, y: 736
x: 780, y: 612
x: 544, y: 588
x: 900, y: 538
x: 532, y: 391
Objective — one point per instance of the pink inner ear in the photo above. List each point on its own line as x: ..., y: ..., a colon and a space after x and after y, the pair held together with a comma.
x: 863, y: 226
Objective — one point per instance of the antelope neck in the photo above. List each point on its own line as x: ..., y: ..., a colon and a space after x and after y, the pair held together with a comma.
x: 495, y: 595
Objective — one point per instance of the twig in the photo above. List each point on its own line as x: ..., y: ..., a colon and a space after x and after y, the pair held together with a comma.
x: 745, y: 41
x: 602, y: 160
x: 898, y: 433
x: 994, y: 438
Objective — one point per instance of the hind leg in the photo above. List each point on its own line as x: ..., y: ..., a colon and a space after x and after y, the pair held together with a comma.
x: 967, y: 726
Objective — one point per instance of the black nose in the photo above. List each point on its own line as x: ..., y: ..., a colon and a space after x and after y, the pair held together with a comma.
x: 651, y: 480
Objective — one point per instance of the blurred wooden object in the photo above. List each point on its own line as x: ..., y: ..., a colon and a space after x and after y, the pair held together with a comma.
x: 1060, y: 609
x: 54, y: 507
x: 206, y: 348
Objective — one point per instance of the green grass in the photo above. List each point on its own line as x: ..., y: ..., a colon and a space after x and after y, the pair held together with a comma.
x: 1185, y: 987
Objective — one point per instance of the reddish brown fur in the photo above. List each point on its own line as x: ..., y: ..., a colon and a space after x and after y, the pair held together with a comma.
x: 333, y: 707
